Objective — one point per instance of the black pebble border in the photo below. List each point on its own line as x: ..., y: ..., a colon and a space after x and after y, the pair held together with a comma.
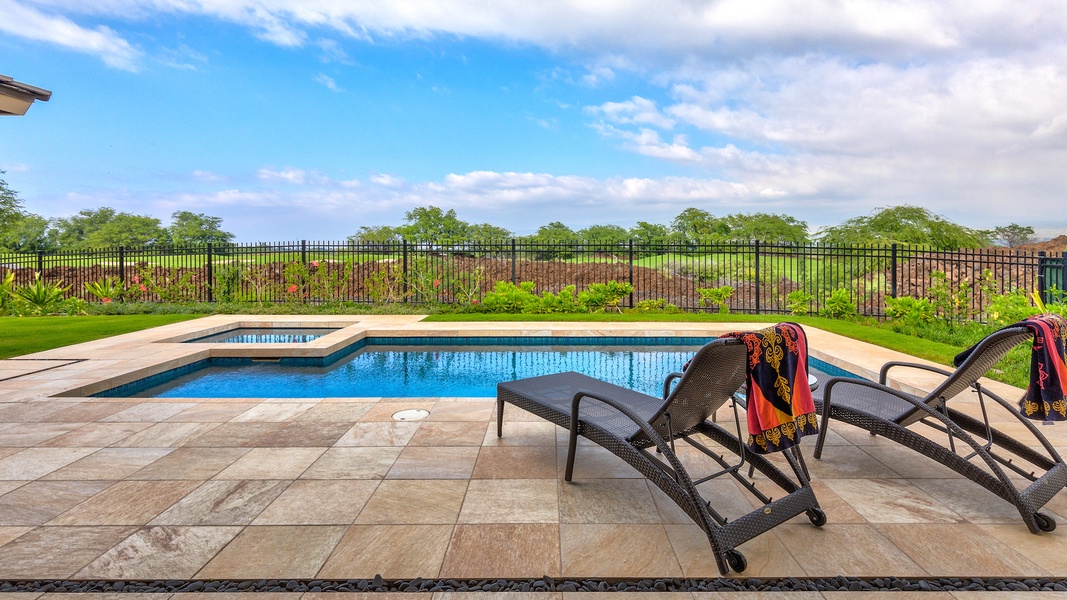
x: 545, y: 584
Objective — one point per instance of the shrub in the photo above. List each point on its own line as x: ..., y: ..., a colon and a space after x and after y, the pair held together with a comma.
x: 1008, y: 308
x: 716, y: 297
x: 839, y: 305
x: 659, y: 305
x: 506, y: 297
x: 106, y: 289
x: 602, y: 296
x: 913, y: 311
x: 566, y: 301
x: 39, y: 298
x: 386, y: 285
x: 227, y: 285
x: 798, y: 302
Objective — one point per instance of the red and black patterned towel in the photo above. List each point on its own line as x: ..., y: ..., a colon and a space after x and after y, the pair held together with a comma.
x: 1045, y: 397
x: 780, y: 407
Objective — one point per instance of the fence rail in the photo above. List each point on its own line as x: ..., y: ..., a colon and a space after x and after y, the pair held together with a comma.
x: 761, y: 274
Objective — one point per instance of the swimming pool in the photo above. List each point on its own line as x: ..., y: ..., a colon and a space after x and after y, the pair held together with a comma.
x: 429, y: 367
x: 264, y: 335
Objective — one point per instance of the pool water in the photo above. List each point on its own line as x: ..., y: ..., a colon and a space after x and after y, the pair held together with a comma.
x: 264, y: 335
x: 408, y: 371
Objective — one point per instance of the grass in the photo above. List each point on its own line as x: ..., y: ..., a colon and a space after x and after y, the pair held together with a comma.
x: 26, y: 335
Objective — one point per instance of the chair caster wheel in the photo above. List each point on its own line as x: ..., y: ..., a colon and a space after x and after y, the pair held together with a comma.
x: 737, y: 561
x: 1044, y: 522
x: 817, y: 517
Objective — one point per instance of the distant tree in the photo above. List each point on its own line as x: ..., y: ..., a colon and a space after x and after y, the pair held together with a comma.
x: 430, y: 224
x: 375, y: 234
x: 484, y: 232
x: 29, y: 233
x: 905, y: 225
x: 604, y: 234
x: 10, y: 204
x: 73, y: 231
x: 698, y: 226
x: 767, y: 228
x: 555, y: 232
x: 1014, y: 235
x: 189, y: 229
x: 125, y: 229
x: 650, y: 233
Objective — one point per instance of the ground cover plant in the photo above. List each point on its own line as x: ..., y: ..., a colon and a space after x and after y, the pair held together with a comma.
x: 20, y: 336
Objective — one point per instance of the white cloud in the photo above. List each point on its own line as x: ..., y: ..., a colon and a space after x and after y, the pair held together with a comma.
x: 327, y: 81
x: 286, y: 175
x: 635, y: 111
x: 208, y: 177
x: 25, y: 21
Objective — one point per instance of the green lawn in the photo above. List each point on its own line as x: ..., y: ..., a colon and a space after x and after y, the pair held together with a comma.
x: 25, y: 335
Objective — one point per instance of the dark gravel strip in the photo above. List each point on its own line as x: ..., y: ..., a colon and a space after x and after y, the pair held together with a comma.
x: 545, y: 584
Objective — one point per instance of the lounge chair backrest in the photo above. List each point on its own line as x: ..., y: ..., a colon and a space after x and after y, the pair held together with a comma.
x: 987, y: 353
x: 715, y: 373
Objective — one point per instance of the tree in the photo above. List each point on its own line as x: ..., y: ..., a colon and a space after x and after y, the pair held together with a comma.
x: 767, y: 228
x: 484, y: 232
x: 191, y: 229
x: 73, y: 231
x: 430, y: 224
x: 604, y: 234
x: 126, y: 229
x: 905, y: 225
x: 650, y: 233
x: 695, y: 225
x: 30, y: 233
x: 375, y: 234
x: 10, y: 204
x: 555, y: 232
x: 1014, y: 235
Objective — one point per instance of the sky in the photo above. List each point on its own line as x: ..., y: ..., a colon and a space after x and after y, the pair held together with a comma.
x: 307, y: 119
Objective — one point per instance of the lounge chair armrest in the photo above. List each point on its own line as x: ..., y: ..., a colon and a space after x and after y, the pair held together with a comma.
x: 667, y: 383
x: 884, y: 372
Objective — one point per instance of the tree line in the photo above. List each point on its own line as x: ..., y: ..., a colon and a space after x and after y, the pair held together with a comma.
x: 22, y: 231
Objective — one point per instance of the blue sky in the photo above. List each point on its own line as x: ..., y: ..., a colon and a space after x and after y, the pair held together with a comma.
x: 308, y: 119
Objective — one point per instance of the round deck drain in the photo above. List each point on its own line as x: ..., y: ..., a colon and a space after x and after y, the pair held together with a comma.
x: 411, y: 414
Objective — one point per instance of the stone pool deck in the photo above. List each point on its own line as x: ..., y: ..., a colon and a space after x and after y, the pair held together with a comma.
x: 252, y: 488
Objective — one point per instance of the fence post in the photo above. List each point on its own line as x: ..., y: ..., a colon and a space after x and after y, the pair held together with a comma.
x: 1063, y: 278
x: 893, y: 273
x: 631, y: 272
x: 514, y: 271
x: 755, y: 245
x: 304, y: 252
x: 210, y: 275
x: 40, y: 262
x: 122, y: 264
x: 1042, y: 292
x: 404, y: 263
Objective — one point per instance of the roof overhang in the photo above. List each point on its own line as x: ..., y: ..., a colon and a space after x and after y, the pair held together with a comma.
x: 16, y: 97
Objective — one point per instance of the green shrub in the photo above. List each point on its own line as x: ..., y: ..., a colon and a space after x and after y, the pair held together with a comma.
x: 839, y: 305
x: 659, y: 305
x: 566, y: 301
x: 716, y: 297
x: 107, y: 289
x: 39, y: 298
x: 603, y: 296
x: 227, y: 285
x: 913, y: 311
x: 1008, y: 308
x: 506, y: 297
x: 798, y: 302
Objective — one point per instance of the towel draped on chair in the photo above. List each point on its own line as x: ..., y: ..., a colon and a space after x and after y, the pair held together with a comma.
x: 1046, y: 396
x: 780, y: 408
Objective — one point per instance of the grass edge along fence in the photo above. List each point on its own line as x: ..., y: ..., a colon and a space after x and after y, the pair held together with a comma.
x: 743, y: 277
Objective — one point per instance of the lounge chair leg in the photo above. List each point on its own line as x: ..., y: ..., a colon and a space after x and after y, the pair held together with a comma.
x: 822, y: 431
x: 572, y: 447
x: 499, y: 418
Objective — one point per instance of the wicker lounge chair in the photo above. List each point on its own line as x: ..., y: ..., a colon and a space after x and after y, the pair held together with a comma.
x: 630, y: 424
x: 987, y: 456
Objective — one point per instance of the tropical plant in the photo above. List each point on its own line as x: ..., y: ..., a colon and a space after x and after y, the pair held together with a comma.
x: 41, y: 298
x: 386, y: 285
x: 911, y: 311
x: 107, y: 289
x: 798, y: 302
x: 227, y: 284
x: 7, y: 285
x: 718, y: 297
x: 506, y: 297
x: 839, y: 304
x: 604, y: 296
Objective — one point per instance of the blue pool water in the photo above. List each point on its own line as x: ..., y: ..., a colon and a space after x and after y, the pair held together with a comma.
x: 382, y: 367
x: 264, y: 335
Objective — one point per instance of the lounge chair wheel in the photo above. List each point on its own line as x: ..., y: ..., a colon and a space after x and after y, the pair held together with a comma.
x: 1044, y: 522
x: 737, y: 561
x: 817, y: 517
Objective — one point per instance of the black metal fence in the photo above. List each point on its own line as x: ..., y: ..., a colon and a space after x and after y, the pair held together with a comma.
x: 762, y: 275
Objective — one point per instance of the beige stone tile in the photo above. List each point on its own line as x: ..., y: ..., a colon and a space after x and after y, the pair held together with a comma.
x: 272, y: 412
x: 166, y: 435
x: 37, y: 502
x: 8, y: 451
x: 434, y: 463
x: 1044, y: 550
x: 190, y: 463
x: 766, y: 555
x: 212, y: 412
x: 896, y: 594
x: 414, y: 501
x: 348, y: 412
x: 27, y: 435
x: 9, y: 533
x: 523, y: 433
x: 151, y: 412
x: 88, y: 412
x: 503, y: 550
x: 1015, y: 595
x: 591, y: 462
x: 97, y: 435
x: 891, y: 501
x: 223, y: 503
x: 855, y: 550
x: 848, y: 462
x: 126, y: 503
x: 962, y: 550
x: 609, y: 550
x: 353, y: 463
x: 970, y: 500
x: 504, y: 596
x: 462, y: 411
x: 318, y: 502
x: 511, y: 501
x: 160, y: 553
x: 449, y: 433
x: 235, y: 435
x: 109, y: 463
x: 304, y: 433
x: 57, y: 552
x: 283, y: 551
x: 607, y: 501
x: 33, y: 463
x: 909, y: 464
x: 384, y: 411
x: 393, y: 551
x: 31, y: 412
x: 379, y: 433
x: 271, y: 463
x: 523, y: 462
x: 368, y: 596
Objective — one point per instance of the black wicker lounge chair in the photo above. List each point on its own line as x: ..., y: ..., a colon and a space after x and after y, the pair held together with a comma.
x: 987, y: 456
x: 630, y: 423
